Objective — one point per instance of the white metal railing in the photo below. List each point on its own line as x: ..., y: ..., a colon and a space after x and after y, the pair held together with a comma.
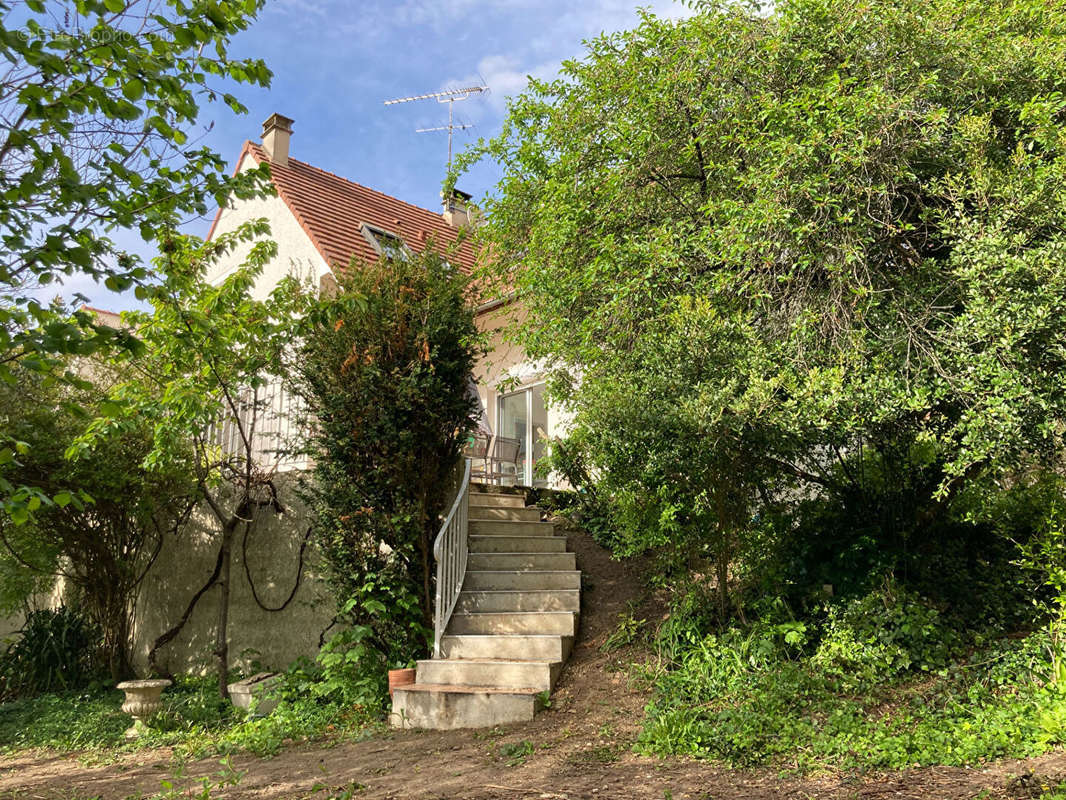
x: 275, y: 421
x: 449, y: 551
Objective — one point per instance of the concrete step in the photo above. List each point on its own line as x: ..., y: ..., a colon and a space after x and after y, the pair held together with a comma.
x: 521, y: 561
x: 500, y: 673
x: 449, y: 707
x: 513, y: 626
x: 531, y: 514
x: 521, y: 579
x: 495, y: 488
x: 487, y: 500
x: 503, y: 527
x: 495, y: 543
x: 532, y: 646
x: 561, y: 623
x: 520, y: 600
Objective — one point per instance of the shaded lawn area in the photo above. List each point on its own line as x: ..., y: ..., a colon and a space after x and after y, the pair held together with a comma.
x: 194, y: 720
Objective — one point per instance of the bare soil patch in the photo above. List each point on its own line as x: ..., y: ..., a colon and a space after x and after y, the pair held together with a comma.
x: 579, y: 748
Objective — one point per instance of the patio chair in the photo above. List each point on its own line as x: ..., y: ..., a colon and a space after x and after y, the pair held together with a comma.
x: 504, y: 460
x: 477, y: 450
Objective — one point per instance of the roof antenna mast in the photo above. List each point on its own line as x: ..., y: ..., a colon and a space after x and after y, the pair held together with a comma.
x: 449, y: 96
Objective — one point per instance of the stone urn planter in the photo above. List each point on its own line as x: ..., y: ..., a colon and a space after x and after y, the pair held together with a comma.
x: 143, y: 699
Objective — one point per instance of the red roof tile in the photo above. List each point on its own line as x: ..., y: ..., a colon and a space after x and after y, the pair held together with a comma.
x: 331, y: 210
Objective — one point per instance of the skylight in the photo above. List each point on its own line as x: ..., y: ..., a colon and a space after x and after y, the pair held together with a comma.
x: 385, y: 244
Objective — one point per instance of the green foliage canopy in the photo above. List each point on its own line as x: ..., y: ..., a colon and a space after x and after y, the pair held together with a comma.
x: 384, y: 370
x: 103, y: 539
x: 100, y: 101
x: 779, y: 247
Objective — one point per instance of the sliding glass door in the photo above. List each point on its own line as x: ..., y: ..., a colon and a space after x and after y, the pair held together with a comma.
x: 523, y: 415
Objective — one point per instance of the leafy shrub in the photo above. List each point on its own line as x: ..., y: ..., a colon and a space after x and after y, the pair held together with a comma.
x: 882, y: 635
x: 352, y: 672
x: 100, y: 549
x: 1045, y: 555
x: 689, y: 621
x: 55, y: 650
x: 884, y: 687
x: 962, y: 560
x: 628, y: 631
x: 384, y: 371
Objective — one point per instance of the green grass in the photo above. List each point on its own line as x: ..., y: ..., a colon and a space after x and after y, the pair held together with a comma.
x: 516, y: 753
x: 194, y: 720
x: 745, y: 706
x: 64, y: 721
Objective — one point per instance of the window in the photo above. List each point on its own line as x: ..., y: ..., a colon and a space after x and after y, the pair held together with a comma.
x: 385, y: 244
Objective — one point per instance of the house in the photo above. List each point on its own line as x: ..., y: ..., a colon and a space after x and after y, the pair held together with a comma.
x: 321, y: 222
x: 507, y: 590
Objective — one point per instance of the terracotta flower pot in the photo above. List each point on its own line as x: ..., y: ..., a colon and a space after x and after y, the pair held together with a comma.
x: 400, y: 677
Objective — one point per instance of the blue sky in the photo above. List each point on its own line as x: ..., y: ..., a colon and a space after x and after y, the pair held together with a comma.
x: 336, y: 61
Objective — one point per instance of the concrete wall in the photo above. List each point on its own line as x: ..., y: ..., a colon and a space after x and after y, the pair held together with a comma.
x: 10, y: 624
x: 273, y: 639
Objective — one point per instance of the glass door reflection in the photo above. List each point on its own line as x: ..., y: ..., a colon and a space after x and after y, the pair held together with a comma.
x: 523, y: 415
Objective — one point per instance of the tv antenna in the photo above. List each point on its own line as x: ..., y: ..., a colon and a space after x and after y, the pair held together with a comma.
x: 449, y: 96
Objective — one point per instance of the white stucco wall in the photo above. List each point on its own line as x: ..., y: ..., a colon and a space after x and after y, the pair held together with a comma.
x: 296, y: 254
x: 271, y: 639
x: 503, y: 359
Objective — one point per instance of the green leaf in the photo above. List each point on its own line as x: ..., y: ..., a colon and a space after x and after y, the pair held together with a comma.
x: 111, y: 409
x: 374, y: 606
x: 133, y: 89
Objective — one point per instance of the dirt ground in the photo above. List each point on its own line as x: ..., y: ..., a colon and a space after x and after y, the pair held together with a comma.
x: 577, y: 748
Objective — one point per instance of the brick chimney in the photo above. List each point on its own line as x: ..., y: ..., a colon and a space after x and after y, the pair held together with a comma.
x: 276, y: 133
x: 458, y: 210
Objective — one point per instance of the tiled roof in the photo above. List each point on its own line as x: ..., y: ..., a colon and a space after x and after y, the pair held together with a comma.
x: 111, y: 319
x: 331, y: 210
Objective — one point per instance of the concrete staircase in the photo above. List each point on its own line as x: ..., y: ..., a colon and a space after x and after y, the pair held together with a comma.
x: 512, y: 628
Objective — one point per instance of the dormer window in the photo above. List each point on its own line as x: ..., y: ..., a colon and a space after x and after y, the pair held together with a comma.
x: 385, y: 244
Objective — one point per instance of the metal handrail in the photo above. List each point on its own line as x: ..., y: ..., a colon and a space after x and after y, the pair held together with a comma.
x: 449, y: 551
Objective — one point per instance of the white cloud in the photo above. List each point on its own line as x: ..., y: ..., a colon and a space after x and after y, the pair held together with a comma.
x: 542, y: 56
x: 305, y: 10
x: 505, y: 77
x: 444, y: 12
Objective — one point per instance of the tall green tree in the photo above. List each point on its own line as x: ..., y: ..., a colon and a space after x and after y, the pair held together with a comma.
x: 384, y: 371
x: 103, y: 539
x: 205, y: 383
x: 101, y: 102
x: 800, y: 241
